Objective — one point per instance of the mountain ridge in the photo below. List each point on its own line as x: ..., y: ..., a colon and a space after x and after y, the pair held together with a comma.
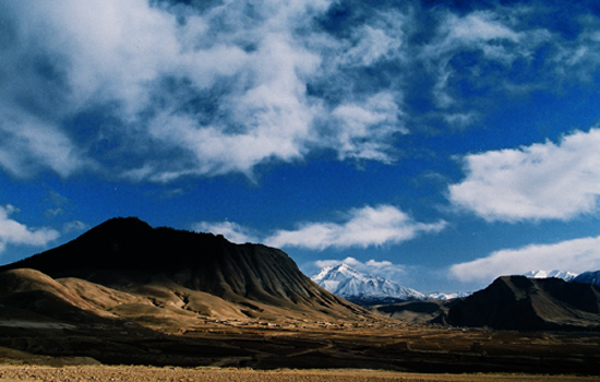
x: 123, y: 253
x: 592, y: 277
x: 529, y: 304
x: 543, y: 274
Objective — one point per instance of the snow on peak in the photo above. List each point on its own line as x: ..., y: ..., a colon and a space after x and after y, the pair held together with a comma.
x: 588, y: 278
x: 347, y: 282
x: 542, y: 274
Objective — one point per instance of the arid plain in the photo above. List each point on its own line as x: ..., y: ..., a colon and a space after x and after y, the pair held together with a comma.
x: 174, y: 374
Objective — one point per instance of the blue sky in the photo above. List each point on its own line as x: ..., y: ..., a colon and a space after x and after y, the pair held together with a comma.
x: 439, y: 143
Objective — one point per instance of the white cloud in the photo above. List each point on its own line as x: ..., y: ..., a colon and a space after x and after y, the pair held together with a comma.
x: 231, y: 231
x: 28, y: 141
x: 75, y: 226
x: 377, y: 117
x: 461, y: 119
x: 578, y: 255
x: 579, y: 59
x: 15, y: 233
x: 372, y: 44
x: 500, y: 36
x: 364, y: 227
x: 477, y: 28
x: 541, y: 181
x: 245, y: 84
x: 232, y: 82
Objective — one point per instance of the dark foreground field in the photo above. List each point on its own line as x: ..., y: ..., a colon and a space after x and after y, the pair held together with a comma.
x: 262, y: 346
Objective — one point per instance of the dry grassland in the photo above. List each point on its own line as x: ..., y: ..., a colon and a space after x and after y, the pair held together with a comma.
x: 9, y: 373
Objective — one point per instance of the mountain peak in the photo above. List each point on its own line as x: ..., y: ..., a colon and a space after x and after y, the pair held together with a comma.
x: 588, y: 278
x: 333, y: 272
x: 347, y: 282
x: 125, y: 244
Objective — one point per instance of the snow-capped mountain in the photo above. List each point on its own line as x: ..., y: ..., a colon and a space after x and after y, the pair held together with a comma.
x: 541, y: 274
x: 350, y: 284
x: 588, y: 278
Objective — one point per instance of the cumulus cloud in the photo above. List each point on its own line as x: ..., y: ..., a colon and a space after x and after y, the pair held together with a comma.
x: 364, y: 227
x: 578, y: 255
x: 157, y: 90
x: 542, y: 181
x: 15, y: 233
x: 231, y: 231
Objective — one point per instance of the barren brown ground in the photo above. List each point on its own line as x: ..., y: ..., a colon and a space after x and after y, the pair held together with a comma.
x: 269, y: 346
x: 142, y: 373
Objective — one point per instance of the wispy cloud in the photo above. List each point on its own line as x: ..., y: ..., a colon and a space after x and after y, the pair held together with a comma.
x: 75, y: 226
x: 148, y: 90
x: 579, y: 58
x: 364, y: 227
x: 362, y: 128
x: 578, y: 255
x: 479, y: 49
x: 29, y: 141
x: 225, y: 88
x: 15, y: 233
x: 231, y: 231
x: 542, y: 181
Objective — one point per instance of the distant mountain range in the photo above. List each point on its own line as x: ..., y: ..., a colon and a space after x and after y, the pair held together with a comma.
x: 592, y: 277
x: 347, y: 282
x: 512, y: 303
x: 588, y: 278
x: 541, y: 274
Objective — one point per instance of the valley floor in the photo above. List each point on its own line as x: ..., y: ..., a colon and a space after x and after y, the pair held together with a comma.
x: 215, y: 347
x: 9, y: 373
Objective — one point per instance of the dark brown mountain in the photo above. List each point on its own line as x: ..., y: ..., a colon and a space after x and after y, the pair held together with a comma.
x: 201, y: 272
x: 521, y: 303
